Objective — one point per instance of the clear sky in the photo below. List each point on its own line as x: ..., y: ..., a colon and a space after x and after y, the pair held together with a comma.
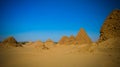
x: 31, y: 20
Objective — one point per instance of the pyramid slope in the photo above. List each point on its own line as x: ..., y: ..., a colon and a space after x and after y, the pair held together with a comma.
x: 111, y: 26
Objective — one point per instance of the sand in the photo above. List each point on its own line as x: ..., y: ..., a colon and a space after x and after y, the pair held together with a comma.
x: 58, y: 56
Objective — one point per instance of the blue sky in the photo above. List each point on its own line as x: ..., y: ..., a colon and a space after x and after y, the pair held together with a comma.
x: 31, y: 20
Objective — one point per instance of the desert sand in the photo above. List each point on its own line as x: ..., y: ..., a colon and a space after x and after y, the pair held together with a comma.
x: 59, y: 56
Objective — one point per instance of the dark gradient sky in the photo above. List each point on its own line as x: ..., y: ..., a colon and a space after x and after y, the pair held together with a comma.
x: 30, y: 20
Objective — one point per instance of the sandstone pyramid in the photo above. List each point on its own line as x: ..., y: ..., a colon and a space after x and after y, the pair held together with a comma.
x: 49, y: 43
x: 64, y: 40
x: 71, y: 40
x: 28, y: 43
x: 82, y: 37
x: 38, y: 44
x: 111, y: 26
x: 10, y: 41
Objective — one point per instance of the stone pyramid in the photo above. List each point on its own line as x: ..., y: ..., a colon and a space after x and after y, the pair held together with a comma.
x: 10, y: 41
x: 38, y: 44
x: 29, y: 43
x: 49, y: 43
x: 82, y: 37
x: 111, y: 26
x: 64, y: 40
x: 71, y: 40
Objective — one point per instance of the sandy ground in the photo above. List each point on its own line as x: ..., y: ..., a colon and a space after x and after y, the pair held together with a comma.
x: 58, y: 56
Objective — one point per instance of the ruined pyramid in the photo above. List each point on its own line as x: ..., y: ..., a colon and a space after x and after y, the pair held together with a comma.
x: 49, y: 43
x: 10, y: 41
x: 38, y: 44
x: 64, y: 40
x: 82, y: 37
x: 71, y: 40
x: 111, y: 26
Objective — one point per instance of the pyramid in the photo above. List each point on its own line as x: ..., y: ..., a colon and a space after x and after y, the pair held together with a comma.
x: 28, y: 43
x: 10, y: 41
x: 71, y: 40
x: 63, y: 40
x: 49, y: 43
x: 38, y: 44
x: 111, y: 26
x: 82, y: 37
